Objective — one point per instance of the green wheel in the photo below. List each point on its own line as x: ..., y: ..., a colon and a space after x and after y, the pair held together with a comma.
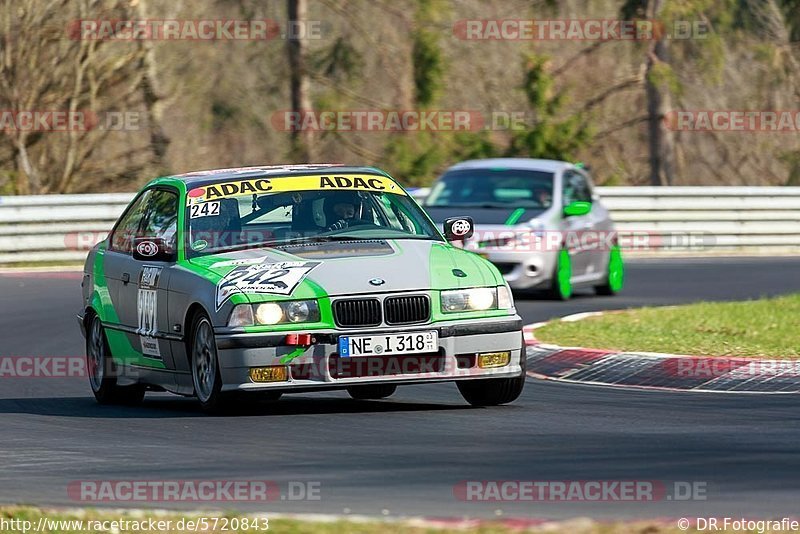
x: 561, y: 287
x: 615, y: 276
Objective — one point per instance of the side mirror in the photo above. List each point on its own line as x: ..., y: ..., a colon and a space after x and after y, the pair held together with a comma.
x: 458, y: 228
x: 152, y: 249
x: 579, y: 207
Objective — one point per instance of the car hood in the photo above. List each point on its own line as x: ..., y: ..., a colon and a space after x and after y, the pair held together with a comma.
x: 358, y: 267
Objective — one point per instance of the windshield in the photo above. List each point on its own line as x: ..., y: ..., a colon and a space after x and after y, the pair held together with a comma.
x: 493, y: 188
x: 279, y: 211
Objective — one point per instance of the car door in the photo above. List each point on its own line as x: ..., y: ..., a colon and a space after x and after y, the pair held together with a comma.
x: 116, y: 268
x: 144, y: 298
x: 578, y: 228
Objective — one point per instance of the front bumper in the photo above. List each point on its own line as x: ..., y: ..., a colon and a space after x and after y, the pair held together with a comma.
x: 320, y: 367
x: 523, y: 269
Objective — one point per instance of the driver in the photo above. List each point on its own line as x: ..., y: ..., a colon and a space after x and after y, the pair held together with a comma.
x: 544, y: 197
x: 345, y: 209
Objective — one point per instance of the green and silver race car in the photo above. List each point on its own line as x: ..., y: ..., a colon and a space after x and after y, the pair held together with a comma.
x: 235, y: 284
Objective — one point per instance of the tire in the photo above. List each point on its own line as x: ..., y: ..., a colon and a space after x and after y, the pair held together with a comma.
x: 561, y: 283
x: 373, y: 392
x: 494, y: 391
x: 204, y: 363
x: 103, y: 372
x: 615, y: 274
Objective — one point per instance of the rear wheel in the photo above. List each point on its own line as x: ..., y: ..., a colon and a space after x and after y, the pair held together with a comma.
x: 615, y: 275
x: 561, y: 283
x: 372, y: 392
x: 494, y: 391
x: 103, y: 372
x: 205, y: 367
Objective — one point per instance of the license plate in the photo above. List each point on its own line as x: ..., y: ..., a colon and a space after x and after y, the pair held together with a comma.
x: 389, y: 344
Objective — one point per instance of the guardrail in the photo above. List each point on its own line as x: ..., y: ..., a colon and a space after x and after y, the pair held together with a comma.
x: 61, y: 228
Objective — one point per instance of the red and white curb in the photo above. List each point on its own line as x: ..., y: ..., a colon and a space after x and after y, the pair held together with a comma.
x: 649, y: 370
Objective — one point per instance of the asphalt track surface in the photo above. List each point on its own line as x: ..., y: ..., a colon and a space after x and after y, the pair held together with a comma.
x: 403, y: 456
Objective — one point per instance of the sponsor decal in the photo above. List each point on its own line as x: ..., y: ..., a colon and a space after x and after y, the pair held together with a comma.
x: 199, y: 245
x: 264, y: 278
x: 206, y: 209
x: 147, y: 310
x: 147, y: 249
x: 461, y: 227
x: 352, y: 182
x: 148, y: 279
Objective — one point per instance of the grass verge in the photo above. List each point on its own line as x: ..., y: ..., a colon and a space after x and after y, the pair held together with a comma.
x: 767, y: 328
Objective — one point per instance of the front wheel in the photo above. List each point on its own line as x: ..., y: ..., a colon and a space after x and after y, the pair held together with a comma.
x: 102, y: 371
x: 373, y: 392
x: 561, y: 282
x: 615, y: 275
x: 494, y: 391
x: 205, y: 367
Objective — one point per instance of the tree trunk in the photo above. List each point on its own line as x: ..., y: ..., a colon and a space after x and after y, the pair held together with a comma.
x: 153, y: 99
x: 659, y: 102
x: 302, y: 140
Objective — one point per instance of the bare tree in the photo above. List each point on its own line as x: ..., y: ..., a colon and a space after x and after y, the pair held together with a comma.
x: 49, y: 66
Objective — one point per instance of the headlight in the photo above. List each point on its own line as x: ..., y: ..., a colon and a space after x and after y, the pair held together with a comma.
x: 298, y: 311
x: 269, y: 313
x: 538, y: 228
x: 474, y: 299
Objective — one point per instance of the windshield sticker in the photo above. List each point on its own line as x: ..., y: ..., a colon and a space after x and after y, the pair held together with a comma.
x: 352, y: 182
x: 206, y: 209
x: 199, y: 245
x: 279, y: 278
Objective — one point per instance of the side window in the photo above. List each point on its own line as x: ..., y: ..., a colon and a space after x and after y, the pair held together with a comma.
x: 128, y: 227
x: 575, y: 188
x: 162, y: 217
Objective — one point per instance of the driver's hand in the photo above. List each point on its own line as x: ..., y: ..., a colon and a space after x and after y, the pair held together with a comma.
x: 338, y: 225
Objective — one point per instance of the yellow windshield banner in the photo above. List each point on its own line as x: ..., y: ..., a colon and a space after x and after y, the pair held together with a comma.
x: 326, y: 182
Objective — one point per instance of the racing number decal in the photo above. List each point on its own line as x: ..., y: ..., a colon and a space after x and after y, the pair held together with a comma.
x: 273, y: 278
x: 206, y: 209
x: 147, y: 310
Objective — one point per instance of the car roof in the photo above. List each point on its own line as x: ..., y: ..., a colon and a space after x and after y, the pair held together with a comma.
x: 546, y: 165
x: 210, y: 176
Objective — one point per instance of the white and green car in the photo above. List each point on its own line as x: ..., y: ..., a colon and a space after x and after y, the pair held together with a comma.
x: 272, y: 280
